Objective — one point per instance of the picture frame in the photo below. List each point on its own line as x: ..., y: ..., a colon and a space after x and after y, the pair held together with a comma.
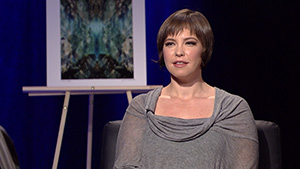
x: 121, y: 67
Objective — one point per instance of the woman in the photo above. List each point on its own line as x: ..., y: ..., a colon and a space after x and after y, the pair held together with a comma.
x: 187, y: 124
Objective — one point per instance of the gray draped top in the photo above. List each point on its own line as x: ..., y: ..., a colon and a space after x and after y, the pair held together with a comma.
x: 227, y: 139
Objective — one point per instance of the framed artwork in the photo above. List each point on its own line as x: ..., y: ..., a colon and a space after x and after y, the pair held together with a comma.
x: 96, y: 43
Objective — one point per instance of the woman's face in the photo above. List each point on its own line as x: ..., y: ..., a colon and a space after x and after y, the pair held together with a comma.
x: 182, y: 55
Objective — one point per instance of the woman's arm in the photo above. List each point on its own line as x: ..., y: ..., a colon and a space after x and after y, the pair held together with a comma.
x: 237, y: 123
x: 130, y: 137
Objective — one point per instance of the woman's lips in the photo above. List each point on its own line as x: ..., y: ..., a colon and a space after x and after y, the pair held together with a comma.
x: 180, y: 64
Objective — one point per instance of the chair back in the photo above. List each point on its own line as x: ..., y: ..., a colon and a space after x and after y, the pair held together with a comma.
x: 269, y: 145
x: 109, y: 139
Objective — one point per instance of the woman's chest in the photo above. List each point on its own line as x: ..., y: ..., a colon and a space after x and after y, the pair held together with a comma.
x: 207, y: 150
x: 186, y: 109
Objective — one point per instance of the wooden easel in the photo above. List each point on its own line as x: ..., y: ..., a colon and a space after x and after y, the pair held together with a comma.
x: 91, y: 91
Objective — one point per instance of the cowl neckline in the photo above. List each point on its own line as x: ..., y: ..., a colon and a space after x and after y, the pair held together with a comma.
x: 173, y: 128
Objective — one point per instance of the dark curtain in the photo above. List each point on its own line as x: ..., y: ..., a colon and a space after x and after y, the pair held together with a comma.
x: 255, y: 56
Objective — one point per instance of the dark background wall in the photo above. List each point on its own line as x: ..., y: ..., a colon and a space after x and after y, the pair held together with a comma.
x: 255, y: 56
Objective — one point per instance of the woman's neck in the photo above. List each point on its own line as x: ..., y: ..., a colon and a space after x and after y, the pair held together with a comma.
x: 188, y: 90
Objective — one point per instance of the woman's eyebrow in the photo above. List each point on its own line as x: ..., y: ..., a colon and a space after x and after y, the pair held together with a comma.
x: 173, y: 39
x: 185, y: 39
x: 191, y: 38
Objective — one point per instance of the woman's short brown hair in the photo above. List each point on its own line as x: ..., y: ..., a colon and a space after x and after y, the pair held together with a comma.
x: 198, y: 25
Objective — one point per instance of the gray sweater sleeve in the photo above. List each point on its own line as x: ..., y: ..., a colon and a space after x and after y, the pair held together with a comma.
x: 130, y: 137
x: 236, y: 122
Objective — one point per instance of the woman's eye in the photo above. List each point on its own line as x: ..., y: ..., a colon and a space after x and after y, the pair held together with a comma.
x: 191, y: 43
x: 169, y: 43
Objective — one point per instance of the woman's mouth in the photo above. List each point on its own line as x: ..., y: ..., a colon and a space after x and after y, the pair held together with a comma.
x: 180, y: 63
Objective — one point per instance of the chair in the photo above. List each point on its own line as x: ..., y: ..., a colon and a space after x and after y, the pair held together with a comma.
x: 269, y: 144
x: 8, y: 154
x: 109, y: 139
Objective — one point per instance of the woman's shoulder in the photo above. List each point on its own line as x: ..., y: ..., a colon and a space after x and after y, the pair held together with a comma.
x: 234, y: 116
x: 225, y: 96
x: 152, y: 94
x: 228, y: 102
x: 145, y: 101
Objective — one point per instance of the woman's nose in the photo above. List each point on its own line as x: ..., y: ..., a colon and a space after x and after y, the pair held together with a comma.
x: 179, y: 52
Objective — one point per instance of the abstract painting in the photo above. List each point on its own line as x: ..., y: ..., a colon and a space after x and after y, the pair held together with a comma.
x: 97, y: 41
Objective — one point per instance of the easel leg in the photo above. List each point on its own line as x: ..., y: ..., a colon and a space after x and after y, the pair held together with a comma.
x: 129, y: 95
x: 61, y: 130
x: 90, y: 133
